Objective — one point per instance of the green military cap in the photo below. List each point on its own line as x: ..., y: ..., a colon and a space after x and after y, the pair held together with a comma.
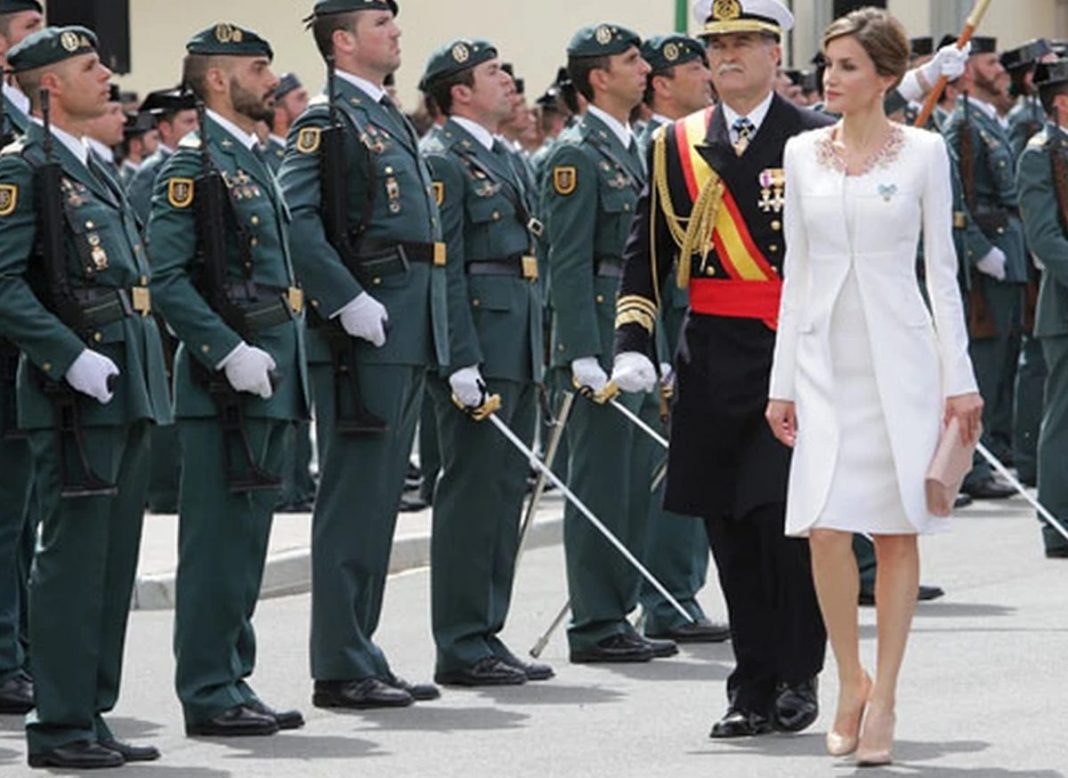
x: 229, y: 40
x: 49, y: 46
x: 664, y: 52
x: 1027, y: 55
x: 602, y: 40
x: 14, y: 6
x: 326, y: 7
x: 454, y: 57
x: 1051, y: 73
x: 923, y: 46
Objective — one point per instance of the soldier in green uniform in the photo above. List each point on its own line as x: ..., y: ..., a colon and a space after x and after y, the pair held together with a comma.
x: 18, y: 18
x: 290, y: 101
x: 982, y: 150
x: 592, y: 181
x: 496, y: 348
x: 104, y: 133
x: 74, y: 298
x: 373, y: 266
x: 1043, y: 184
x: 139, y: 139
x: 679, y: 84
x: 238, y: 317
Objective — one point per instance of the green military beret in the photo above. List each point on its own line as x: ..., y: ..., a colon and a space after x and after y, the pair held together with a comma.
x: 454, y: 57
x: 326, y: 7
x: 664, y: 52
x: 49, y: 46
x: 14, y: 6
x: 229, y: 40
x: 602, y: 40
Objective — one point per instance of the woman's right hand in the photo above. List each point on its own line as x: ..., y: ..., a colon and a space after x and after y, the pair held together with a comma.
x: 782, y: 418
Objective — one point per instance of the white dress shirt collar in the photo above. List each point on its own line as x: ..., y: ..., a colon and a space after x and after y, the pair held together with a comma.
x: 374, y: 91
x: 756, y: 116
x: 106, y: 153
x: 988, y: 110
x: 480, y: 133
x: 76, y: 146
x: 620, y: 130
x: 17, y: 97
x: 247, y: 139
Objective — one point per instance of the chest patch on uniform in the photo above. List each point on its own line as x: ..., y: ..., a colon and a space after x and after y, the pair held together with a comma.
x: 180, y: 192
x: 565, y: 179
x: 308, y: 140
x: 9, y: 198
x: 439, y: 192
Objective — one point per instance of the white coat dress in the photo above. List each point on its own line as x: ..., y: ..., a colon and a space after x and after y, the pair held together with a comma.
x: 860, y: 235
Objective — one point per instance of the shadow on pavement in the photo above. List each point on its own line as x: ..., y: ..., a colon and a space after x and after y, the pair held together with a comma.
x: 8, y: 755
x: 157, y: 770
x: 132, y: 729
x: 671, y: 669
x: 904, y: 768
x: 942, y: 609
x: 549, y: 693
x: 297, y: 745
x: 441, y: 719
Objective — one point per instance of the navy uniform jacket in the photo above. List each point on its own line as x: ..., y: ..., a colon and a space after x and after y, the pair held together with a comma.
x: 723, y: 460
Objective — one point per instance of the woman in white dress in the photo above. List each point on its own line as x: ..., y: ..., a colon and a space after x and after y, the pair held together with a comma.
x: 863, y: 380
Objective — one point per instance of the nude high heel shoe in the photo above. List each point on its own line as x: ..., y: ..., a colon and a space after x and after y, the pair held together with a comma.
x: 839, y: 744
x: 877, y: 738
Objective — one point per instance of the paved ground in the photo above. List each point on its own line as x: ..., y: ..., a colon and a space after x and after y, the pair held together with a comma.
x: 982, y: 694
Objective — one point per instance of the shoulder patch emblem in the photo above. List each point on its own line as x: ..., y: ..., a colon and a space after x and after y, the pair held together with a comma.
x: 565, y: 179
x: 9, y: 198
x: 308, y: 140
x: 439, y: 192
x: 180, y: 192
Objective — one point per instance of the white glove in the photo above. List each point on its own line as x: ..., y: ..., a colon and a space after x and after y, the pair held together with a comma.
x: 246, y: 369
x: 633, y: 372
x: 89, y: 374
x: 468, y: 386
x: 948, y: 61
x: 586, y: 371
x: 365, y: 317
x: 667, y: 374
x: 993, y: 264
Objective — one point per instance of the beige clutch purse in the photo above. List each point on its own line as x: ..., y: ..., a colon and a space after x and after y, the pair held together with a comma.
x: 951, y: 462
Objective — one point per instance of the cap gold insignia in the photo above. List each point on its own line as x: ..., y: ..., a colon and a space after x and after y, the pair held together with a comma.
x: 439, y: 192
x: 308, y: 140
x: 726, y: 10
x: 180, y: 192
x: 69, y: 41
x: 671, y: 52
x: 603, y: 35
x: 565, y: 179
x: 238, y: 36
x: 9, y: 198
x: 460, y: 53
x: 224, y: 33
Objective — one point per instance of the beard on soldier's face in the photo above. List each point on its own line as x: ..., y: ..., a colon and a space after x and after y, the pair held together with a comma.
x: 248, y: 103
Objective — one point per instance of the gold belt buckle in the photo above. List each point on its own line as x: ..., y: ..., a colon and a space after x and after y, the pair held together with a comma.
x: 530, y: 267
x: 141, y: 299
x: 295, y: 297
x: 439, y: 254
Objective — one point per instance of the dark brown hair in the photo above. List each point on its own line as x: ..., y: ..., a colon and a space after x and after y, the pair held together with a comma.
x: 881, y: 35
x: 324, y: 27
x: 579, y: 68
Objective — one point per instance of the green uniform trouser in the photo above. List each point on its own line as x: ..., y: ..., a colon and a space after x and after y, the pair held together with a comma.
x: 81, y: 583
x: 164, y: 472
x: 222, y: 547
x: 429, y: 449
x: 361, y: 481
x: 1030, y: 393
x: 298, y: 487
x: 676, y: 549
x: 477, y: 509
x: 1053, y: 440
x: 16, y: 551
x: 606, y: 473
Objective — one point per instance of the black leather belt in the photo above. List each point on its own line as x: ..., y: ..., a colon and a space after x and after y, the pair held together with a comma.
x: 609, y: 267
x: 103, y: 306
x: 414, y: 251
x: 521, y: 265
x: 264, y: 306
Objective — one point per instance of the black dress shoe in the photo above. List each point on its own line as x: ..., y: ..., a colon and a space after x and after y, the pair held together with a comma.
x: 660, y: 648
x: 700, y: 631
x: 421, y: 692
x: 963, y: 500
x: 534, y: 671
x: 923, y: 594
x: 615, y: 648
x: 79, y: 755
x: 797, y: 706
x: 131, y: 753
x: 361, y: 695
x: 16, y: 695
x: 989, y: 489
x: 238, y: 721
x: 741, y: 723
x: 488, y: 671
x: 287, y: 719
x: 1057, y: 553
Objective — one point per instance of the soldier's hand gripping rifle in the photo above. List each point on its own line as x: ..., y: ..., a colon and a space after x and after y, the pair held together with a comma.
x: 335, y: 215
x: 57, y: 295
x: 211, y: 204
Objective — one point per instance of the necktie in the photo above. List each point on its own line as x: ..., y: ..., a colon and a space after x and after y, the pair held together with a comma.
x: 744, y: 129
x: 399, y: 118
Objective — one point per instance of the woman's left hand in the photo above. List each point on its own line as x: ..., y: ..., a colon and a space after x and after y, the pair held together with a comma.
x: 968, y: 410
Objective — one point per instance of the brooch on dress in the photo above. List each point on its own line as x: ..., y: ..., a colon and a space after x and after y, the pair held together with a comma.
x: 886, y: 191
